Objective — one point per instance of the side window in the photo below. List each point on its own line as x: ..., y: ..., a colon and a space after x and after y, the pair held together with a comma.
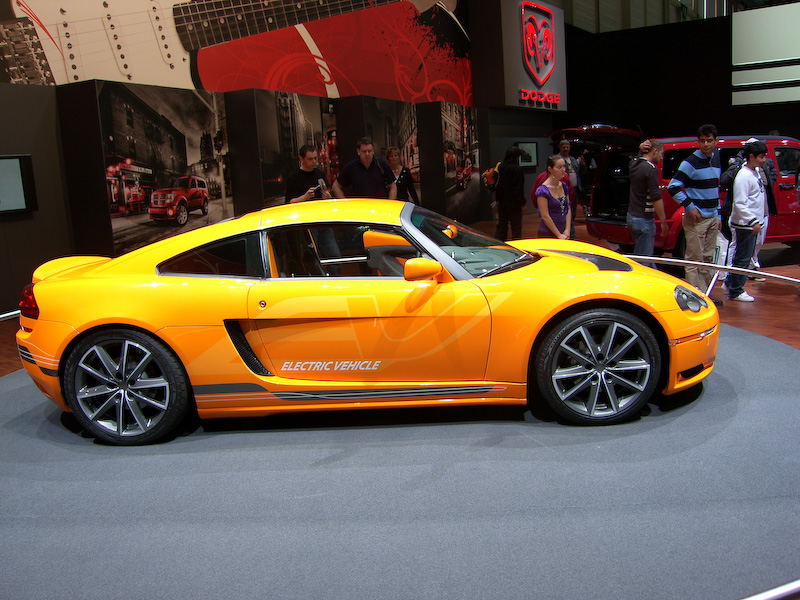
x: 201, y: 184
x: 788, y: 160
x: 233, y: 257
x: 340, y: 250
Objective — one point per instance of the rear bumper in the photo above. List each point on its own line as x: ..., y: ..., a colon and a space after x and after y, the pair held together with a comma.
x: 612, y: 230
x: 40, y: 350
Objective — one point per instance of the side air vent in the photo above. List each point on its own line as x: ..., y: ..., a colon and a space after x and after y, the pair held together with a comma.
x: 243, y: 348
x: 603, y: 263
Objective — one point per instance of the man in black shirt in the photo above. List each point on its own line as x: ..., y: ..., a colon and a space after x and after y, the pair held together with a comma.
x: 510, y: 196
x: 308, y: 183
x: 645, y: 200
x: 369, y: 177
x: 304, y: 184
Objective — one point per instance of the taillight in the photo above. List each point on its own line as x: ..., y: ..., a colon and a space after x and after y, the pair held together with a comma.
x: 27, y: 304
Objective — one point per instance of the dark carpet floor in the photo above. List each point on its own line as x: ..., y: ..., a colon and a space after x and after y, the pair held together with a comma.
x: 698, y: 498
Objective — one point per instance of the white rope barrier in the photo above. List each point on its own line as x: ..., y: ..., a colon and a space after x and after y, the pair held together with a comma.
x: 713, y: 266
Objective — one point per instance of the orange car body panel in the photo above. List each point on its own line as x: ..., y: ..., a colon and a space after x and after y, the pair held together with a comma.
x: 338, y: 343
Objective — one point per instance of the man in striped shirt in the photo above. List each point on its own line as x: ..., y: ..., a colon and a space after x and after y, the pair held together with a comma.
x: 695, y: 186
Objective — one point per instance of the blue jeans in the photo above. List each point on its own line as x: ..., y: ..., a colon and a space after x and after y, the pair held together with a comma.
x: 745, y: 246
x: 643, y: 232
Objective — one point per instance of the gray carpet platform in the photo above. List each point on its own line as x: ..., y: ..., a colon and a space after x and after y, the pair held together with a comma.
x: 698, y: 498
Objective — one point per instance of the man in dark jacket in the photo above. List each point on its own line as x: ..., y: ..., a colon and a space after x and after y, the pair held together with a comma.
x: 510, y: 196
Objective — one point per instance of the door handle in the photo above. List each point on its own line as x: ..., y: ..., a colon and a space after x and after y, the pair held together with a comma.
x: 786, y: 186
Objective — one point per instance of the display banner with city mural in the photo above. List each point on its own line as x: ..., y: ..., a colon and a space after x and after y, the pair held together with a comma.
x: 534, y: 56
x: 169, y: 167
x: 165, y: 161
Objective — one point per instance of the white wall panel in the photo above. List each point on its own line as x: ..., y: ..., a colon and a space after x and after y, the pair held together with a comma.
x: 766, y: 55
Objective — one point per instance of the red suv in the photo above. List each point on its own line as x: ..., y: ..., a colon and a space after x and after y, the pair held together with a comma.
x: 464, y: 174
x: 174, y: 203
x: 610, y: 188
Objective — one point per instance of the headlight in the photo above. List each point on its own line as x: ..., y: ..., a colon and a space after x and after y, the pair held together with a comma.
x: 689, y: 300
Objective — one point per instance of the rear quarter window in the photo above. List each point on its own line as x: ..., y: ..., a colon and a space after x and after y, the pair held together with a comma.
x: 240, y: 256
x: 673, y: 159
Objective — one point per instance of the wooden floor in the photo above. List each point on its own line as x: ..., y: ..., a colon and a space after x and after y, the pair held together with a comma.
x: 775, y: 313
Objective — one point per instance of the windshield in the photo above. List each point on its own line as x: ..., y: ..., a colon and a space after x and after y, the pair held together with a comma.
x: 181, y: 182
x: 478, y: 253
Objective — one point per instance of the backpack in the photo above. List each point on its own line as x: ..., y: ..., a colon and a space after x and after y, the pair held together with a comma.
x: 726, y: 179
x: 491, y: 177
x: 726, y: 185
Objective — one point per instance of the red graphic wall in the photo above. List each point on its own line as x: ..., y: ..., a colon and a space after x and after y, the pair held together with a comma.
x: 388, y: 52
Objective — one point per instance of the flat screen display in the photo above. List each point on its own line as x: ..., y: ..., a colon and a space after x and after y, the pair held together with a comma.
x: 17, y: 192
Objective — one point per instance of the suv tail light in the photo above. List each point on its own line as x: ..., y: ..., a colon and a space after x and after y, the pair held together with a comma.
x: 27, y: 304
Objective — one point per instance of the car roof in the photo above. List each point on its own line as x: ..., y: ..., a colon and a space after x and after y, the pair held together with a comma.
x: 597, y: 135
x: 334, y: 210
x: 727, y: 138
x: 358, y: 210
x: 601, y: 135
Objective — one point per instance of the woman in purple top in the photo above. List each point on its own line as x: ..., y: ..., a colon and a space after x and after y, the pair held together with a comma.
x: 552, y: 199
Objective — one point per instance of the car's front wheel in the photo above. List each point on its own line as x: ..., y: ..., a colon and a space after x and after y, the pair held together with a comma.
x: 181, y: 214
x: 125, y: 387
x: 598, y: 366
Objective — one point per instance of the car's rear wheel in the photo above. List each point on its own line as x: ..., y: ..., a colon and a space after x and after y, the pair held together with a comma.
x: 205, y: 207
x: 598, y: 366
x: 181, y: 215
x: 125, y: 387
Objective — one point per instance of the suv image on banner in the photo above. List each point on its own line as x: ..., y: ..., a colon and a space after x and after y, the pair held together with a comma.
x: 610, y: 188
x: 174, y: 203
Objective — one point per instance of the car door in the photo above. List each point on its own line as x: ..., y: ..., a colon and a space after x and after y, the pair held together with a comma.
x: 787, y: 222
x: 333, y: 312
x: 194, y: 194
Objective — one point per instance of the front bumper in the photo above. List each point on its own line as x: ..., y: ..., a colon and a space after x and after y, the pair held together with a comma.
x: 162, y: 214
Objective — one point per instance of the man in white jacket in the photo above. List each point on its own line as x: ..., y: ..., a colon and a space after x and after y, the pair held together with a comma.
x: 747, y: 216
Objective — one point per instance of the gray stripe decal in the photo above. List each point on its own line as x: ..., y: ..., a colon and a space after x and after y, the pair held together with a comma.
x: 25, y: 354
x: 386, y: 393
x: 229, y: 388
x: 251, y: 388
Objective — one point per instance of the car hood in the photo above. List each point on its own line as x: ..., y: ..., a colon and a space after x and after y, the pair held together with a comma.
x: 573, y: 257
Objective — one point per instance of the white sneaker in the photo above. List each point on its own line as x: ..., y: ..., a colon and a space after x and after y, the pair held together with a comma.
x: 744, y: 297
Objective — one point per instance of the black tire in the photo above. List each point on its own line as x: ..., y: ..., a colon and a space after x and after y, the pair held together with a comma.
x: 181, y: 214
x: 598, y: 367
x: 204, y: 208
x: 138, y: 402
x: 679, y: 252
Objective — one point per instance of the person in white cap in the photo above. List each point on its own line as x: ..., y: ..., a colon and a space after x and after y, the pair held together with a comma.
x: 769, y: 176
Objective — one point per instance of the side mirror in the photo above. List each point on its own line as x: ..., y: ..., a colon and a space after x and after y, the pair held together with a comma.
x: 418, y: 269
x: 450, y: 231
x: 374, y: 239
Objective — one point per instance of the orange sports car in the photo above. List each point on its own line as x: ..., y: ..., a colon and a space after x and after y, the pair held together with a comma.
x: 349, y: 304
